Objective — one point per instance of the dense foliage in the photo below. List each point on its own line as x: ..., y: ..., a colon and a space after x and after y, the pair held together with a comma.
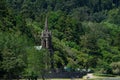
x: 85, y: 34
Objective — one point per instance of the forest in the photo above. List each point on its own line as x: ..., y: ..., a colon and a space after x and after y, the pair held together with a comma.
x: 85, y: 35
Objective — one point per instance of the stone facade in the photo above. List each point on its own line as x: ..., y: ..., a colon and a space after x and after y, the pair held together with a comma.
x: 46, y: 37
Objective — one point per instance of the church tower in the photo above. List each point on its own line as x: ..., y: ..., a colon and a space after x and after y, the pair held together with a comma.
x: 46, y: 41
x: 46, y: 37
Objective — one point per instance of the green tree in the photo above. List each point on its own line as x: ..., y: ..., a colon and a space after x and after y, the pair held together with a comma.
x: 13, y: 53
x: 3, y: 8
x: 115, y: 68
x: 114, y: 16
x: 38, y: 63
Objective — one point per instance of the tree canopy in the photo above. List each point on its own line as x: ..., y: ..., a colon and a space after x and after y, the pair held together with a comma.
x: 85, y: 35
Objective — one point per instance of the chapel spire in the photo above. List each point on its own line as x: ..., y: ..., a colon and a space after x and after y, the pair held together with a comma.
x: 46, y: 24
x: 46, y: 37
x: 46, y: 40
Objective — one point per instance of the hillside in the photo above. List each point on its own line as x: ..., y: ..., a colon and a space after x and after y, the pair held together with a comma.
x: 85, y: 35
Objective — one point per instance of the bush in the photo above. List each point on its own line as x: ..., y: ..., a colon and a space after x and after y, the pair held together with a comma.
x: 115, y: 68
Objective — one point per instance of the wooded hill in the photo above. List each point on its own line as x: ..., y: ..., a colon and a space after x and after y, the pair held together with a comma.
x: 85, y: 35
